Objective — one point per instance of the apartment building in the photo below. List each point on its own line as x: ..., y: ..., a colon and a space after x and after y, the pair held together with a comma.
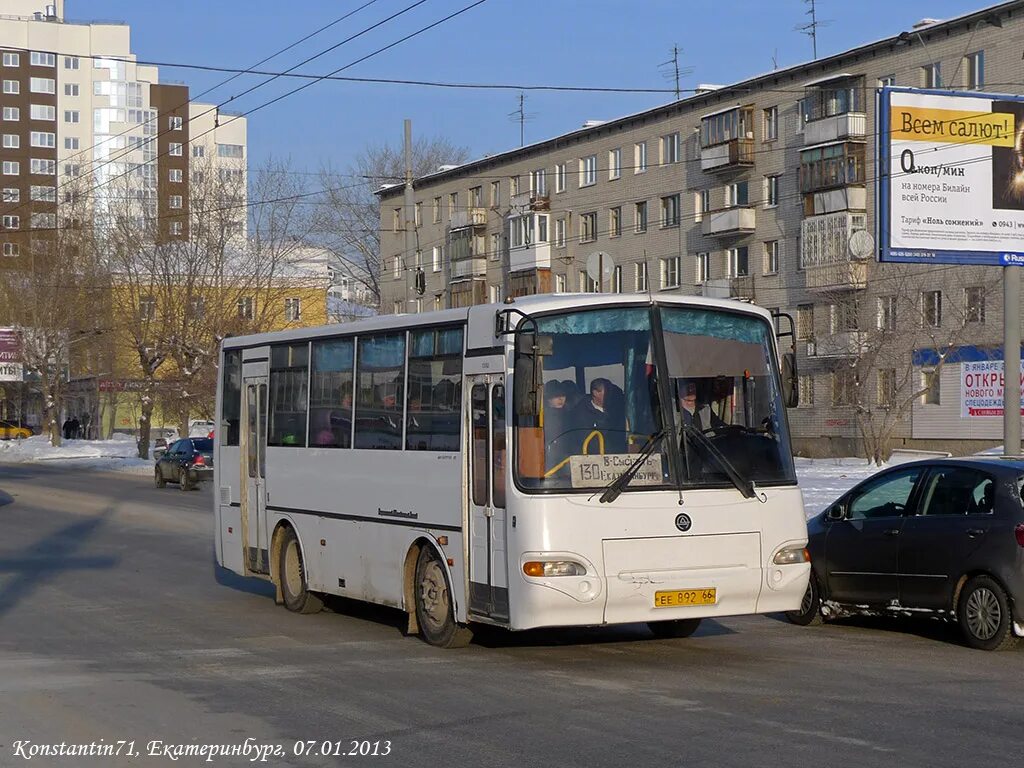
x: 753, y: 190
x: 80, y: 117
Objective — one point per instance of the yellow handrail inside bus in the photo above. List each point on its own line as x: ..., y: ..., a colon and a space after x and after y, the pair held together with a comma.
x: 586, y: 443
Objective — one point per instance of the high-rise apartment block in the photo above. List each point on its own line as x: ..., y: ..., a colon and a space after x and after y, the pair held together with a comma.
x: 87, y: 132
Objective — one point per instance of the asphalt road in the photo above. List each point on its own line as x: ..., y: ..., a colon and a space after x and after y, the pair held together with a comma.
x: 116, y: 625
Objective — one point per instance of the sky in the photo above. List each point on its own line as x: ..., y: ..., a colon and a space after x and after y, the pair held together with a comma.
x: 606, y: 43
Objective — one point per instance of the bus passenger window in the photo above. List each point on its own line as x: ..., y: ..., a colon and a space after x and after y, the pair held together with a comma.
x: 289, y: 370
x: 380, y: 377
x: 231, y: 398
x: 330, y: 400
x: 435, y: 390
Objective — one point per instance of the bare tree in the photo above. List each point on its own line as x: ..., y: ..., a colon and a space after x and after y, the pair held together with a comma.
x: 348, y: 219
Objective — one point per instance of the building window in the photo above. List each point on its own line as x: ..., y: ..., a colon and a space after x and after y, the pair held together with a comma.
x: 437, y: 210
x: 435, y: 258
x: 738, y: 264
x: 930, y: 383
x: 71, y: 116
x: 771, y: 257
x: 885, y: 382
x: 234, y: 151
x: 844, y: 387
x: 702, y: 268
x: 615, y: 163
x: 12, y: 141
x: 474, y: 197
x: 617, y: 279
x: 43, y: 221
x: 513, y: 186
x: 640, y: 276
x: 887, y: 81
x: 539, y: 182
x: 71, y: 170
x: 771, y: 191
x: 42, y: 85
x: 396, y: 220
x: 12, y: 222
x: 12, y: 113
x: 175, y: 123
x: 588, y: 171
x: 496, y: 247
x: 806, y: 385
x: 12, y: 86
x: 560, y: 233
x: 292, y: 310
x: 495, y: 194
x: 10, y: 195
x: 11, y: 168
x: 174, y: 149
x: 12, y: 59
x: 615, y: 222
x: 931, y: 75
x: 11, y: 249
x: 42, y: 139
x: 975, y: 70
x: 70, y: 89
x: 43, y: 194
x: 640, y: 216
x: 44, y: 112
x: 586, y: 283
x: 770, y: 124
x: 670, y: 272
x: 560, y: 177
x: 737, y: 194
x: 396, y: 267
x: 175, y: 201
x: 588, y: 227
x: 886, y: 314
x: 494, y: 293
x: 245, y: 308
x: 417, y: 214
x: 670, y: 149
x: 801, y: 115
x: 70, y: 142
x: 175, y: 175
x: 147, y: 307
x: 177, y: 228
x: 198, y: 150
x: 670, y: 211
x: 43, y: 167
x: 43, y: 59
x: 844, y: 316
x: 71, y: 62
x: 453, y: 203
x: 640, y: 157
x: 974, y: 301
x: 559, y: 283
x: 931, y: 309
x: 805, y: 321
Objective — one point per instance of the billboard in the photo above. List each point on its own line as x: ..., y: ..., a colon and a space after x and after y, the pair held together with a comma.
x: 951, y: 177
x: 981, y: 388
x: 11, y: 368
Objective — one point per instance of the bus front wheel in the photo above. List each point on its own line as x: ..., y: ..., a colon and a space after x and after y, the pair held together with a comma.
x: 435, y: 612
x: 292, y: 574
x: 676, y: 628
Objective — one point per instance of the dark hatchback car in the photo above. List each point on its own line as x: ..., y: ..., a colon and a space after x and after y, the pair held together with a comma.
x: 942, y: 537
x: 185, y: 462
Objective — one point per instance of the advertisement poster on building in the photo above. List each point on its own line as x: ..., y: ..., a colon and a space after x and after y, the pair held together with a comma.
x: 11, y: 368
x: 981, y: 388
x: 952, y: 189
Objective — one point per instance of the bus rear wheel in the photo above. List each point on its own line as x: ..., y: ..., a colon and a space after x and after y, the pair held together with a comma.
x: 292, y: 573
x: 677, y: 628
x: 435, y: 612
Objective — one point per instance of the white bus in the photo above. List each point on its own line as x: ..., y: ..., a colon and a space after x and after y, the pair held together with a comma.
x: 557, y: 460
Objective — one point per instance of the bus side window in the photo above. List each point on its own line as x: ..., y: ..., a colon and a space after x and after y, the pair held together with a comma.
x: 498, y: 452
x: 231, y: 398
x: 478, y: 405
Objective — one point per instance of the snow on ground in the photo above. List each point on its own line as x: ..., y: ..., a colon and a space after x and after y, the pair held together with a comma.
x: 117, y: 454
x: 822, y: 481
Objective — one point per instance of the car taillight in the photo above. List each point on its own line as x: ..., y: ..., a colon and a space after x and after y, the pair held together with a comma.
x: 199, y: 462
x: 1019, y: 533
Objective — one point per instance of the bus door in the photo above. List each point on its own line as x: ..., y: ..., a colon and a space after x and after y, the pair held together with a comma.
x: 254, y: 466
x: 488, y: 550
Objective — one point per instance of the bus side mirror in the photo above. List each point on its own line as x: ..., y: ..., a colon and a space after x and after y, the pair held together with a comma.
x: 790, y: 380
x: 531, y: 349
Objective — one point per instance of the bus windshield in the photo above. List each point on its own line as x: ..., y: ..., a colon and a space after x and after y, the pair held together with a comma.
x: 701, y: 396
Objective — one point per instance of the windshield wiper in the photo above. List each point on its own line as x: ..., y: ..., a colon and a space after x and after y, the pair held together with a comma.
x: 743, y: 485
x: 616, y: 486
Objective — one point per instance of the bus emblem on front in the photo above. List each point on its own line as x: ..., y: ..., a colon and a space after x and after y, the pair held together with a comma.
x: 683, y: 522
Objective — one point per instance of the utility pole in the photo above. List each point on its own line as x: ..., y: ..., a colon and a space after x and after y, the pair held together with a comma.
x: 409, y: 207
x: 1011, y: 360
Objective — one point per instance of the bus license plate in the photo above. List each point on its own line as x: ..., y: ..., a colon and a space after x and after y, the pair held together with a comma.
x: 682, y: 597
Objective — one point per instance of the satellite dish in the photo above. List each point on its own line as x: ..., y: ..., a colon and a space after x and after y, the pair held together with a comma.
x: 861, y: 244
x: 600, y: 267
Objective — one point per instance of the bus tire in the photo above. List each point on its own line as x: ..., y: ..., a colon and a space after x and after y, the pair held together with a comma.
x: 809, y: 613
x: 664, y: 630
x: 291, y: 574
x: 435, y: 612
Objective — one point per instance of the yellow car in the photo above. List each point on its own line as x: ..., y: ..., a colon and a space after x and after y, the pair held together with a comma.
x: 9, y: 431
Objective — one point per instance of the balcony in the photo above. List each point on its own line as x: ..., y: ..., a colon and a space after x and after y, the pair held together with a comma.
x: 742, y: 288
x: 533, y: 256
x: 474, y: 266
x: 835, y: 200
x: 469, y: 217
x: 840, y: 344
x: 840, y: 276
x: 850, y: 125
x: 729, y: 221
x: 736, y: 153
x: 531, y: 201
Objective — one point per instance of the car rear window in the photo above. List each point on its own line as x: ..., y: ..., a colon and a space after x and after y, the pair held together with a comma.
x: 202, y: 444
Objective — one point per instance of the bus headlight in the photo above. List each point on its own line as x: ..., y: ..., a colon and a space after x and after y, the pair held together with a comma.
x: 791, y: 555
x: 554, y: 568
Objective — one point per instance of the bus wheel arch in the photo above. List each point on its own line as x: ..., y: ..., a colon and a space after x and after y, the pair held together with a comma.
x: 429, y: 599
x: 288, y: 572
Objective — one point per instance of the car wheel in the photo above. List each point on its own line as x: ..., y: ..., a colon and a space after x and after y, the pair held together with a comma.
x: 664, y: 630
x: 184, y: 482
x: 435, y: 612
x: 159, y: 477
x: 983, y: 612
x: 291, y: 571
x: 809, y: 614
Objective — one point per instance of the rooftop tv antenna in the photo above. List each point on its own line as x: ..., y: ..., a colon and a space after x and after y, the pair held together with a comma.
x: 672, y: 70
x: 811, y: 28
x: 522, y: 117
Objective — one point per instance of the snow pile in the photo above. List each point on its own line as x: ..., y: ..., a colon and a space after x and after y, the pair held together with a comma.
x: 822, y: 481
x: 118, y: 453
